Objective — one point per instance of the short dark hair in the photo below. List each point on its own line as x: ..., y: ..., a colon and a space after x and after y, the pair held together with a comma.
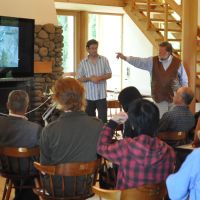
x: 91, y: 42
x: 187, y: 97
x: 143, y: 116
x: 167, y: 46
x: 18, y: 101
x: 127, y: 95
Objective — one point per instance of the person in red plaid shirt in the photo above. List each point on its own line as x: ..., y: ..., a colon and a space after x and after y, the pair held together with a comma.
x: 143, y: 159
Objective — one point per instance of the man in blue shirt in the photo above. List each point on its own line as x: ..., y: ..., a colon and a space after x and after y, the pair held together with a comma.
x: 93, y: 71
x: 185, y: 184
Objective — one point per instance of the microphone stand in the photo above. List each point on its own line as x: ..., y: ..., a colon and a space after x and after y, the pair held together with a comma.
x: 48, y: 112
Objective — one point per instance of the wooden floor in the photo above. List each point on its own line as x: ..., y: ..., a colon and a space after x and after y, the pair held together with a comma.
x: 2, y: 181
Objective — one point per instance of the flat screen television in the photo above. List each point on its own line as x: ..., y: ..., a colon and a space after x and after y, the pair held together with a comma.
x: 16, y: 47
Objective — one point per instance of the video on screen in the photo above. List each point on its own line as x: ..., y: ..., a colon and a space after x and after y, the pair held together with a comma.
x: 9, y: 46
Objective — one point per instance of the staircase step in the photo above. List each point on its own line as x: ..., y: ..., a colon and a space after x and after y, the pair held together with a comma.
x: 153, y: 4
x: 162, y: 20
x: 145, y: 1
x: 169, y: 30
x: 159, y: 40
x: 169, y: 40
x: 154, y: 20
x: 153, y: 10
x: 177, y: 50
x: 174, y: 40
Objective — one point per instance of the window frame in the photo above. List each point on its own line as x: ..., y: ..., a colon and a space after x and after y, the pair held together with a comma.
x: 76, y: 15
x: 122, y: 27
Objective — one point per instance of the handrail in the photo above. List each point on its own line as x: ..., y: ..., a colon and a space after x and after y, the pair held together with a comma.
x: 148, y: 15
x: 177, y: 8
x: 166, y: 22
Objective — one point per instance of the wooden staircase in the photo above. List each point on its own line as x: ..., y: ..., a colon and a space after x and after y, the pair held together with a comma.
x: 158, y: 20
x: 161, y: 20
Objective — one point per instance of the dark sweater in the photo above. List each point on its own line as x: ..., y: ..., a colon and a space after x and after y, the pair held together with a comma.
x: 18, y: 132
x: 179, y: 118
x: 71, y: 138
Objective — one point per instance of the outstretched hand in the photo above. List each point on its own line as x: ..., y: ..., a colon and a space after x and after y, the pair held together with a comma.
x: 120, y: 55
x: 120, y: 118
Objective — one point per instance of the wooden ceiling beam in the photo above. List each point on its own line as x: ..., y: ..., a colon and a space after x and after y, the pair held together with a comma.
x: 118, y: 3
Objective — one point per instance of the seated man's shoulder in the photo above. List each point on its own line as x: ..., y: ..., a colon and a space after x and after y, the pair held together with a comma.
x: 33, y: 124
x: 174, y: 112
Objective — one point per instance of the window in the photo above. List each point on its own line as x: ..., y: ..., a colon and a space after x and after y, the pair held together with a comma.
x: 110, y: 42
x: 67, y: 23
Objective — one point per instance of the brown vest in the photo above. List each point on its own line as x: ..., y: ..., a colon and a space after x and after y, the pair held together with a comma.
x: 163, y: 80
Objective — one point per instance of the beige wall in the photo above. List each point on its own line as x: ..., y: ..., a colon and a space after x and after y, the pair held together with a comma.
x: 43, y: 11
x: 136, y: 44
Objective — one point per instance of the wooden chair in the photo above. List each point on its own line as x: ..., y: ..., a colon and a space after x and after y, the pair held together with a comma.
x: 17, y: 165
x: 67, y: 181
x: 147, y: 192
x: 114, y: 107
x: 107, y: 194
x: 173, y: 138
x: 107, y: 174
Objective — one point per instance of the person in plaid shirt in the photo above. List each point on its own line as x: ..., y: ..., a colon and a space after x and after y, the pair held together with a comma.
x: 143, y: 159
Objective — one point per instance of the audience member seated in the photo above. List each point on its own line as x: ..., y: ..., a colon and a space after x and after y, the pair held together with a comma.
x: 185, y: 184
x: 73, y: 136
x: 126, y: 96
x: 17, y: 131
x: 143, y: 159
x: 179, y: 118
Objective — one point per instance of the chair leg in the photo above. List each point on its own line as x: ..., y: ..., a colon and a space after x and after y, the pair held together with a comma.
x: 37, y: 185
x: 9, y: 189
x: 5, y: 189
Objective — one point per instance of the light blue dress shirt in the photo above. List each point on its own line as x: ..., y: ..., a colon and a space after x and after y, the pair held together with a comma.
x: 94, y: 91
x: 186, y: 182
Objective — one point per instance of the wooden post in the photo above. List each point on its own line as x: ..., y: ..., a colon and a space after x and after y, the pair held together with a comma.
x: 83, y: 33
x: 148, y: 15
x: 189, y: 37
x: 166, y: 22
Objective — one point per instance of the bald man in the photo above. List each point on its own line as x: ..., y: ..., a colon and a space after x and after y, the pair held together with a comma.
x: 179, y: 118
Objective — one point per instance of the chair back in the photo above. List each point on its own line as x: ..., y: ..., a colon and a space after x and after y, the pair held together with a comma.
x: 147, y: 192
x: 67, y: 181
x: 173, y: 138
x: 17, y: 163
x: 107, y: 194
x: 114, y: 107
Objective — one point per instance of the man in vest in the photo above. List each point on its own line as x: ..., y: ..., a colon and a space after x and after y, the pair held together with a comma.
x: 167, y: 74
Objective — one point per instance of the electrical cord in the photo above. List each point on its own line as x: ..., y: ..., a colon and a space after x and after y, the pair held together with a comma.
x: 38, y: 106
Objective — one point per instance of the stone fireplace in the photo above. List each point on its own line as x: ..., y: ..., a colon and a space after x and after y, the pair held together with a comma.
x: 48, y: 47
